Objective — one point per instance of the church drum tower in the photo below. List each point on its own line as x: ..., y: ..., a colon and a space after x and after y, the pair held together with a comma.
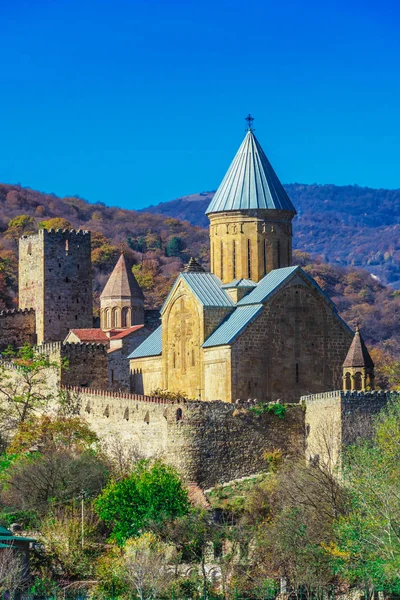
x: 250, y: 217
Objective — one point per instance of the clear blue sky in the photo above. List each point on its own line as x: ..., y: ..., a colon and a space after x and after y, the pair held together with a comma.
x: 134, y: 102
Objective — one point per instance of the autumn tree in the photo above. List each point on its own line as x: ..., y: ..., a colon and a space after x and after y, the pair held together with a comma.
x: 55, y: 223
x: 148, y: 566
x: 11, y: 570
x: 21, y: 225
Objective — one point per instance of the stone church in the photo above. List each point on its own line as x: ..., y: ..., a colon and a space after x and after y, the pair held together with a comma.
x: 255, y: 326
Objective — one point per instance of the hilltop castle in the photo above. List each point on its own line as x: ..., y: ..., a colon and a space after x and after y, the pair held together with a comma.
x: 254, y: 329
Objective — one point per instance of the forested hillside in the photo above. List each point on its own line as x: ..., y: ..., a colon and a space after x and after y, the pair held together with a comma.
x: 345, y: 225
x: 159, y: 245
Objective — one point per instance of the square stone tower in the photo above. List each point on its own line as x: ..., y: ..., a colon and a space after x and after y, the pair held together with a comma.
x: 55, y: 278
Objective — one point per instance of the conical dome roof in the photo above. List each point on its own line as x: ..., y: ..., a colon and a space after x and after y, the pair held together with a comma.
x: 358, y: 355
x: 250, y: 183
x: 122, y: 282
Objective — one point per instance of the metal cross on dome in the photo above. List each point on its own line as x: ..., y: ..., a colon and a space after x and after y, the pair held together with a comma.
x: 249, y: 120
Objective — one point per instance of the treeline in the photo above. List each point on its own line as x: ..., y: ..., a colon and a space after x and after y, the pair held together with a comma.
x: 346, y: 225
x: 158, y: 248
x: 109, y: 522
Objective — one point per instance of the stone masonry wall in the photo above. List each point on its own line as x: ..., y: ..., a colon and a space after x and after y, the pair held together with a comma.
x: 296, y: 346
x: 208, y: 442
x: 336, y: 419
x: 86, y: 363
x: 17, y: 327
x: 267, y: 234
x: 118, y: 362
x: 146, y: 374
x: 55, y: 279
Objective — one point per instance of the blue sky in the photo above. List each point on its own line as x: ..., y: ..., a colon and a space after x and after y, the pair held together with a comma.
x: 134, y: 102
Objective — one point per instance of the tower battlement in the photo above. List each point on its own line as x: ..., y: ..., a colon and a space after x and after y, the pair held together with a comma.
x: 16, y: 311
x: 55, y: 280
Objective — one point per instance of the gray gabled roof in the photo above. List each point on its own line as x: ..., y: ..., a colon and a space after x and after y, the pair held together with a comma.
x: 240, y: 283
x: 233, y: 325
x: 268, y: 284
x: 152, y: 346
x: 206, y: 287
x: 250, y: 182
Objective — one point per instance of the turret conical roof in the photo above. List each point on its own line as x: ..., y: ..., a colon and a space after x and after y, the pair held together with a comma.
x: 122, y: 282
x: 193, y: 266
x: 358, y: 355
x: 250, y: 182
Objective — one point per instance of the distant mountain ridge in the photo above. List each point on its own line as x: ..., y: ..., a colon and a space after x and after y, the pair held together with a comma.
x: 346, y: 225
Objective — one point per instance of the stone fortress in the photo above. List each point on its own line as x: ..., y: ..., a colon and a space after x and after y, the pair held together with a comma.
x: 255, y: 329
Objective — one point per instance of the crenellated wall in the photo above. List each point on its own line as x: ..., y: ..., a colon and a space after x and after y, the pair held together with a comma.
x: 55, y: 278
x: 17, y: 327
x: 80, y: 364
x: 208, y: 442
x: 336, y: 419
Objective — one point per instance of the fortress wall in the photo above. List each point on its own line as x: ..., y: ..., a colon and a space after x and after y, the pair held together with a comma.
x: 336, y: 419
x: 358, y: 412
x: 86, y: 364
x: 17, y: 327
x: 208, y: 442
x: 323, y: 427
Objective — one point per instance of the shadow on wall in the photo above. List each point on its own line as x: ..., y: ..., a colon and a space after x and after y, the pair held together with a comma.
x: 136, y: 382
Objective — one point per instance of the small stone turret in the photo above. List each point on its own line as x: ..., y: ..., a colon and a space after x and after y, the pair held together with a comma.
x: 193, y: 266
x: 358, y: 367
x: 122, y: 300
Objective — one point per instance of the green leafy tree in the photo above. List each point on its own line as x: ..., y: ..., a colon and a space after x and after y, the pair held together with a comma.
x: 367, y: 547
x: 151, y: 494
x: 174, y: 246
x: 24, y: 392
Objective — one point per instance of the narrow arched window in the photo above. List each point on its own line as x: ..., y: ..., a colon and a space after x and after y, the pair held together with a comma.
x: 29, y: 248
x: 278, y: 251
x: 297, y: 372
x: 108, y: 318
x: 124, y: 317
x: 347, y: 382
x: 249, y: 259
x: 234, y: 258
x: 66, y: 247
x: 222, y: 260
x: 193, y: 358
x: 179, y: 414
x: 358, y: 382
x: 265, y: 257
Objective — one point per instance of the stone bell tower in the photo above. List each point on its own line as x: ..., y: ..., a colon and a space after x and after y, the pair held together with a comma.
x: 250, y: 217
x: 358, y: 367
